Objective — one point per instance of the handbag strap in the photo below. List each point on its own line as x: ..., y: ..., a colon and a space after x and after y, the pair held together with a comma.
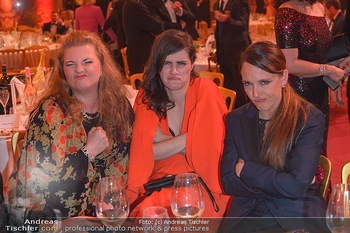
x: 215, y: 205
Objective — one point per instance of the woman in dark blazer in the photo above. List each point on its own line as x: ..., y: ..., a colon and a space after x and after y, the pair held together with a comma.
x: 272, y: 145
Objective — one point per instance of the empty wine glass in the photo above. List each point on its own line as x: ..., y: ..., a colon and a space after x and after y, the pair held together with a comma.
x: 155, y: 220
x: 338, y: 210
x: 187, y: 201
x: 112, y: 206
x: 4, y: 98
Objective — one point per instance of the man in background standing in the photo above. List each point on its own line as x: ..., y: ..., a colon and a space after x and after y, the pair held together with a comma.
x: 336, y: 16
x: 140, y: 27
x: 173, y: 14
x: 232, y: 38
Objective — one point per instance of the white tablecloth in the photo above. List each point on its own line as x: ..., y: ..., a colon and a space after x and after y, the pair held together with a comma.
x: 201, y: 63
x: 6, y: 158
x: 262, y: 30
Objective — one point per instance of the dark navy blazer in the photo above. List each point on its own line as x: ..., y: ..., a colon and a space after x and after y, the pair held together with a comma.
x: 287, y: 193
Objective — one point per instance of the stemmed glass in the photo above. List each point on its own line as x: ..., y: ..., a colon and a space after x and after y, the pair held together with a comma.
x: 4, y: 98
x: 155, y: 220
x: 187, y: 201
x: 112, y: 206
x: 338, y: 210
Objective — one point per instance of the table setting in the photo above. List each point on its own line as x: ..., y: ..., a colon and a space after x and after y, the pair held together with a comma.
x: 338, y: 209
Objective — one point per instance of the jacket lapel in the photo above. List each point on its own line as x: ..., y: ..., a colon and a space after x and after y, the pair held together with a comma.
x: 250, y: 132
x: 164, y: 10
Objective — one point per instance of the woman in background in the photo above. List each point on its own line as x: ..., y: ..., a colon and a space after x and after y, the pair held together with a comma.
x: 304, y: 37
x: 89, y: 17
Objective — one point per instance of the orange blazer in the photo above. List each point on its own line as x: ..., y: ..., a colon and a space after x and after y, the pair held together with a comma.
x: 204, y: 122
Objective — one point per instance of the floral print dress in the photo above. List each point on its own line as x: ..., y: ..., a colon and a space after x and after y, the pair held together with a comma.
x: 52, y: 171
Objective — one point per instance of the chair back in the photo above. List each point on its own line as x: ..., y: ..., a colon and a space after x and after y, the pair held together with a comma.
x: 13, y: 59
x: 17, y: 143
x: 326, y: 164
x: 217, y: 78
x: 136, y: 80
x: 213, y: 59
x: 345, y: 173
x: 33, y: 54
x: 125, y: 61
x: 229, y: 97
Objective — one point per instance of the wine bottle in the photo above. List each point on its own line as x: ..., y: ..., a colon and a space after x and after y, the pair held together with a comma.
x: 5, y: 80
x: 40, y: 70
x: 5, y: 84
x: 30, y: 94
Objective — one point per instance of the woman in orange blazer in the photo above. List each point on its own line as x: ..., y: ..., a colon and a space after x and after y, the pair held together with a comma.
x: 179, y: 126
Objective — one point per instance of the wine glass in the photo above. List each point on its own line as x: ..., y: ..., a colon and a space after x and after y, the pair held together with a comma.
x: 112, y: 206
x: 187, y: 201
x: 155, y: 220
x: 4, y: 98
x: 338, y: 210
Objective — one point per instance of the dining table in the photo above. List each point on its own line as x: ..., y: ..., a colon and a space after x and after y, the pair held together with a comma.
x: 262, y: 29
x: 201, y: 63
x: 14, y: 40
x: 6, y: 157
x: 8, y: 124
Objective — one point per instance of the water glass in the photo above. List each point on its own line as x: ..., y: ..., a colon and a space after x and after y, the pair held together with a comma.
x: 112, y: 206
x: 155, y: 220
x: 338, y: 209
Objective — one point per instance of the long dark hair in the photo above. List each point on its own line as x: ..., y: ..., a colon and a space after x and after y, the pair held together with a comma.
x: 278, y: 139
x: 169, y: 42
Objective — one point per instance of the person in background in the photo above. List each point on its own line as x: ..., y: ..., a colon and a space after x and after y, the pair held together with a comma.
x: 140, y: 33
x: 79, y: 132
x: 336, y: 16
x: 89, y: 17
x: 103, y: 4
x: 62, y: 14
x: 272, y: 146
x: 179, y: 126
x: 232, y: 38
x: 191, y: 27
x: 56, y: 26
x: 203, y: 11
x: 69, y: 21
x: 173, y: 14
x: 114, y: 23
x: 304, y: 37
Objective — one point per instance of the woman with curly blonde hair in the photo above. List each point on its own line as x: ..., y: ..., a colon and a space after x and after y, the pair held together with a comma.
x: 79, y: 132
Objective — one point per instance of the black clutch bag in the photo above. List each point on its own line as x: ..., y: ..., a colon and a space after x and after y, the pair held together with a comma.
x: 339, y: 48
x: 158, y: 184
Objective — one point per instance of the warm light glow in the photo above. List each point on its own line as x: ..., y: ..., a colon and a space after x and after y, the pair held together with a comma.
x: 6, y: 5
x: 44, y: 10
